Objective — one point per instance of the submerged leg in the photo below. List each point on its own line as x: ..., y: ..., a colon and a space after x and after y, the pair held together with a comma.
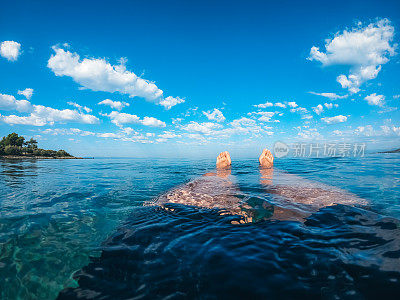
x: 299, y: 197
x: 213, y: 191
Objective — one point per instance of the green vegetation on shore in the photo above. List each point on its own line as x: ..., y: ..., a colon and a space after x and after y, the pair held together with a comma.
x: 16, y: 145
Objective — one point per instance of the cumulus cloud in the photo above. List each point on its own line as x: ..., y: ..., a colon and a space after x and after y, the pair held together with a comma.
x: 27, y: 93
x: 80, y: 107
x: 245, y: 125
x: 337, y: 132
x: 204, y: 128
x: 10, y: 50
x: 215, y: 115
x: 299, y: 110
x: 366, y: 130
x: 168, y: 135
x: 330, y: 105
x: 8, y: 102
x: 318, y: 109
x: 153, y: 122
x: 331, y: 96
x: 385, y: 130
x: 375, y: 99
x: 364, y: 49
x: 118, y: 105
x: 108, y: 135
x: 170, y: 101
x: 209, y: 130
x: 126, y: 134
x: 265, y: 116
x: 42, y: 115
x: 279, y: 104
x: 67, y: 131
x: 308, y: 134
x: 270, y: 104
x: 335, y: 119
x: 292, y: 104
x: 99, y: 75
x: 264, y: 105
x: 119, y: 118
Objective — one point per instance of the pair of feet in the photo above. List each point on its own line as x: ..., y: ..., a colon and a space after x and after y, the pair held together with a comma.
x: 266, y: 159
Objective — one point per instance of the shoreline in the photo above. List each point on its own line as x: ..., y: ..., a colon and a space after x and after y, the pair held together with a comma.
x: 39, y: 157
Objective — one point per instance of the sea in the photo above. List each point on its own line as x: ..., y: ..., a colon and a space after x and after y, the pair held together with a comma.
x: 78, y: 229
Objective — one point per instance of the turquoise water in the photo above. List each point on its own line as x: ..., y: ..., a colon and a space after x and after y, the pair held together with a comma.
x: 59, y: 216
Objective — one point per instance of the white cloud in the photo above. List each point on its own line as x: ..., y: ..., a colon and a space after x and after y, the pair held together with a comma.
x: 330, y: 105
x: 67, y: 131
x: 299, y: 110
x: 108, y: 135
x: 396, y: 96
x: 168, y: 135
x: 8, y: 102
x: 215, y: 115
x: 337, y: 132
x: 153, y: 122
x: 375, y: 99
x: 308, y: 134
x: 247, y: 126
x: 264, y: 105
x: 170, y: 101
x: 205, y: 127
x: 331, y: 96
x: 114, y: 104
x: 265, y: 116
x: 10, y: 50
x: 119, y: 118
x: 27, y: 93
x: 364, y: 49
x: 122, y: 118
x: 335, y: 119
x: 366, y: 130
x: 318, y: 109
x: 42, y: 115
x: 243, y: 126
x: 279, y: 104
x: 80, y: 107
x: 386, y: 130
x: 99, y: 75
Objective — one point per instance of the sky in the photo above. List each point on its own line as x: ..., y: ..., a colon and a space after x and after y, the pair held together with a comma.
x: 188, y: 79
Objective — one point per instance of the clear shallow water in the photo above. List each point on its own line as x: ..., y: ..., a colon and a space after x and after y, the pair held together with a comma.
x: 85, y: 217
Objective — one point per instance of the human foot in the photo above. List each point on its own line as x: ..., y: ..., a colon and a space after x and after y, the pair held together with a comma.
x: 266, y: 159
x: 223, y: 160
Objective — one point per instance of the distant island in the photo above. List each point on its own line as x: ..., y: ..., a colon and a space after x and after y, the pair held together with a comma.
x: 15, y: 146
x: 391, y: 151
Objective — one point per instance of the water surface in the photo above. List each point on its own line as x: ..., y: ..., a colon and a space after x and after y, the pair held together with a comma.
x: 79, y: 227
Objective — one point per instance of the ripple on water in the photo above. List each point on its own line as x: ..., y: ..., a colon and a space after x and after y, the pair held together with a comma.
x: 55, y: 216
x: 340, y: 251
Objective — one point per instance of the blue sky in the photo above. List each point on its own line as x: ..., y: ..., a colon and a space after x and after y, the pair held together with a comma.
x: 185, y: 78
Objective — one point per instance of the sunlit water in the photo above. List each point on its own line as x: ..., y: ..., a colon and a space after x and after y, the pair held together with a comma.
x: 78, y: 229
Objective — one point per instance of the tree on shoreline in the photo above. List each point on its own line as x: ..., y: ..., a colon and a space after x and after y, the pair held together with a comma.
x: 14, y: 144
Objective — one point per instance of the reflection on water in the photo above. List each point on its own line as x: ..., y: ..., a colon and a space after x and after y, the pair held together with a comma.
x: 55, y: 217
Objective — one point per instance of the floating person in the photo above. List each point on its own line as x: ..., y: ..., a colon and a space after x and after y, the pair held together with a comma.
x: 293, y: 197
